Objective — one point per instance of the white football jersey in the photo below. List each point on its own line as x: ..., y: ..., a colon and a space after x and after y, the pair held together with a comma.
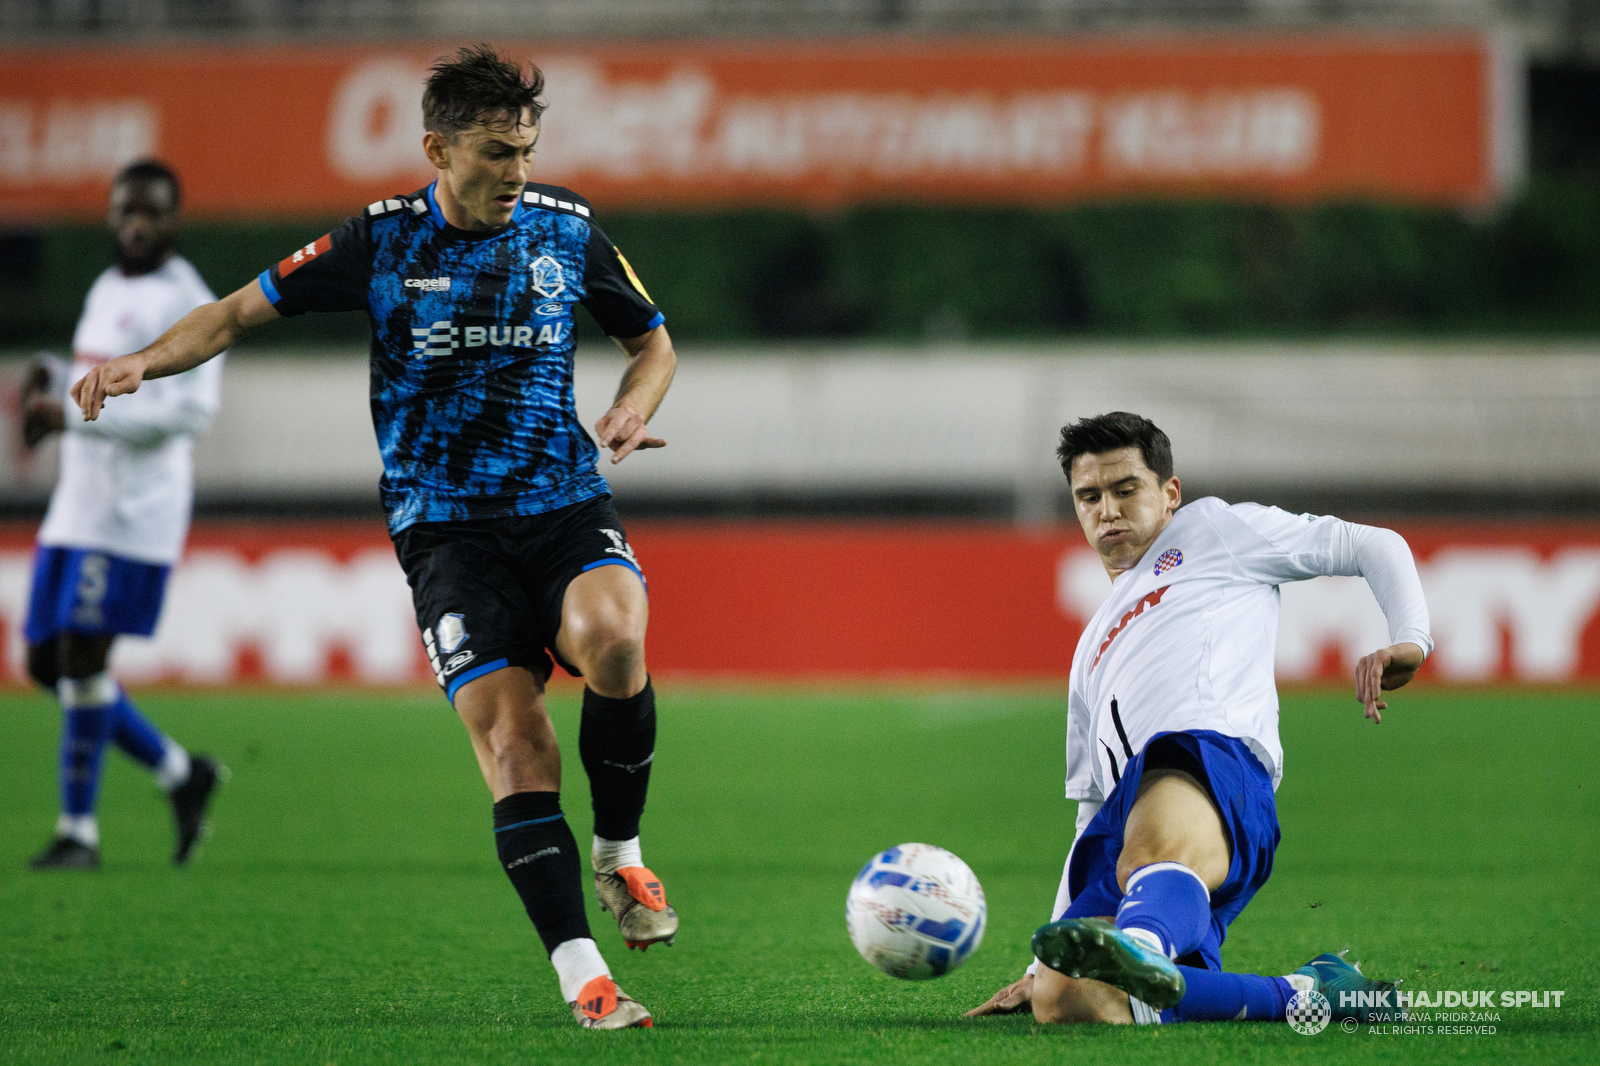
x: 127, y: 479
x: 1187, y: 638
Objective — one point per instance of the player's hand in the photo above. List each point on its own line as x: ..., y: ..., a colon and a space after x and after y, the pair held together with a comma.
x: 1385, y: 669
x: 622, y: 430
x: 1012, y: 999
x: 116, y: 377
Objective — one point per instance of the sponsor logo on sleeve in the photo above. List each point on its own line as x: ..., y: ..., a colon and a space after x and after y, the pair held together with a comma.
x: 429, y: 284
x: 304, y: 255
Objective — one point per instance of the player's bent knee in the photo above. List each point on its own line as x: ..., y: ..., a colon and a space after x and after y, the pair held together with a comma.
x: 617, y: 651
x: 603, y: 635
x: 607, y: 628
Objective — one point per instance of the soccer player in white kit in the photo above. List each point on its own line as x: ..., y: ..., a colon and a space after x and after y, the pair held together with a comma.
x: 118, y: 518
x: 1172, y: 738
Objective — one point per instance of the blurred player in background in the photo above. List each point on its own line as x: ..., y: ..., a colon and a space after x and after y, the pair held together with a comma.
x: 1172, y: 737
x: 503, y: 524
x: 118, y: 518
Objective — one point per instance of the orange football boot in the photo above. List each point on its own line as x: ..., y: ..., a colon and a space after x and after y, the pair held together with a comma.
x: 634, y: 896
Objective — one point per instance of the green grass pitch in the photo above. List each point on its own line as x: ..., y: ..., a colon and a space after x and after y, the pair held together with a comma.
x: 349, y: 909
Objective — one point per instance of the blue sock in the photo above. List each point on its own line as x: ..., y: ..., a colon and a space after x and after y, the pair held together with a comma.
x: 89, y: 707
x: 84, y: 731
x: 1210, y: 996
x: 134, y: 734
x: 1169, y: 900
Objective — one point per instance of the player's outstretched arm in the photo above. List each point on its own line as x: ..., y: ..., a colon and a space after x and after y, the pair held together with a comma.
x: 651, y: 364
x: 1012, y: 999
x: 202, y: 333
x: 1383, y: 670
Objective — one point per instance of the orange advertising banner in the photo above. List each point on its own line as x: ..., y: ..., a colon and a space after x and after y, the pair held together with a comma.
x: 324, y: 130
x: 308, y: 602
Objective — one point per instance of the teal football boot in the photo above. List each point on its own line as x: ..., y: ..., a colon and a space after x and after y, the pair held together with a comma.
x: 1364, y: 999
x: 1094, y: 948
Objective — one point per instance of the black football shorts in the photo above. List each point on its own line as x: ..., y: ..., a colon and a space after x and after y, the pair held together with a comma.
x: 488, y: 591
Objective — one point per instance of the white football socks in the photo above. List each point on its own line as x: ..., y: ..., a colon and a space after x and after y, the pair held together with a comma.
x: 84, y: 828
x: 174, y: 768
x: 609, y: 856
x: 101, y: 690
x: 577, y: 962
x: 1143, y: 1013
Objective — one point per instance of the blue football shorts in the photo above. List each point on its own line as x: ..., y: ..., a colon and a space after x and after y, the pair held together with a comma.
x: 80, y: 590
x: 1242, y: 791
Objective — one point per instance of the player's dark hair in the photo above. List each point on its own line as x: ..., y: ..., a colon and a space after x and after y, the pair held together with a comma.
x: 1108, y: 432
x: 151, y: 170
x: 478, y: 86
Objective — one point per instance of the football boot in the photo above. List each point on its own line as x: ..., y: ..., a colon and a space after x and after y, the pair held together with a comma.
x: 1095, y: 949
x: 634, y: 897
x: 189, y: 802
x: 602, y: 1005
x: 65, y: 853
x: 1332, y: 975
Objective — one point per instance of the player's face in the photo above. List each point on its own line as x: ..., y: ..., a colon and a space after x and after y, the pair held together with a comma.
x: 1121, y: 504
x: 144, y: 221
x: 483, y: 169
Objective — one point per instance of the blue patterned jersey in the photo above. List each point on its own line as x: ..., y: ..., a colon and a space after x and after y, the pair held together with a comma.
x: 472, y: 349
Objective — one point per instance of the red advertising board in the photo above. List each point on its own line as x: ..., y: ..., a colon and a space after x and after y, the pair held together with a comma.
x: 306, y: 603
x: 324, y: 130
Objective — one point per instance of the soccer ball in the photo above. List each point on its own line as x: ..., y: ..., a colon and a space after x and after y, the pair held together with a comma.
x: 915, y: 911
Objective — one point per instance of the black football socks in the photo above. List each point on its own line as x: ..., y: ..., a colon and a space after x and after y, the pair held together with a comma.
x: 617, y: 742
x: 540, y: 856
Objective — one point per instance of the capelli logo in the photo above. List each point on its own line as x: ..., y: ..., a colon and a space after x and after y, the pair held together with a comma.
x: 429, y: 284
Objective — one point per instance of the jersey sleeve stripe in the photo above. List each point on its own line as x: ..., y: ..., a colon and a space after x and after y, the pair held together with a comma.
x: 539, y: 199
x: 268, y: 288
x: 656, y: 321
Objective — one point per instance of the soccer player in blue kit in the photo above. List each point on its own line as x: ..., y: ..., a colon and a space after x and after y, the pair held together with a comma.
x: 499, y: 517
